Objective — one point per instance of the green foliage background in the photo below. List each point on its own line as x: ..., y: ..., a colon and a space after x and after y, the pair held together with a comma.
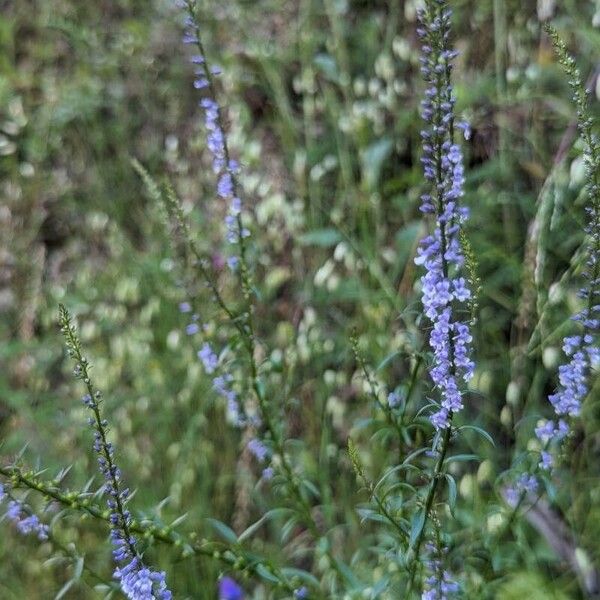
x: 322, y: 99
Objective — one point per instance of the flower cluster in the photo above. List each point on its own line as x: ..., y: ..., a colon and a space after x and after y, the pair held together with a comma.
x: 137, y: 581
x: 208, y: 357
x: 222, y: 385
x: 25, y: 522
x: 441, y: 252
x: 395, y: 399
x: 193, y: 327
x: 210, y: 362
x: 230, y: 590
x: 526, y: 485
x: 584, y: 354
x: 226, y: 171
x: 582, y: 350
x: 439, y: 585
x: 225, y: 168
x: 260, y: 451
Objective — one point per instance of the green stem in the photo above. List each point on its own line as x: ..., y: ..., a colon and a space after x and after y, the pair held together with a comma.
x: 74, y: 348
x: 233, y: 557
x: 442, y: 84
x: 436, y: 477
x: 248, y: 332
x: 387, y: 410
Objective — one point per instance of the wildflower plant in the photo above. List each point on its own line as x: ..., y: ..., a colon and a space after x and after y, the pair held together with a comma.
x: 582, y: 350
x: 321, y: 408
x: 24, y: 520
x: 441, y: 253
x: 137, y: 581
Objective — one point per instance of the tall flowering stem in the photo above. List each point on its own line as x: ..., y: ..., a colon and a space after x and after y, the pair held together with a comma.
x: 444, y: 290
x: 137, y: 581
x: 441, y: 253
x: 28, y: 523
x: 372, y: 490
x: 439, y: 585
x: 231, y: 556
x: 227, y: 170
x: 24, y: 520
x: 582, y: 349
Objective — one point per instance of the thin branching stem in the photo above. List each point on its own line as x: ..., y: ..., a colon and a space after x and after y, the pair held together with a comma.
x: 231, y: 556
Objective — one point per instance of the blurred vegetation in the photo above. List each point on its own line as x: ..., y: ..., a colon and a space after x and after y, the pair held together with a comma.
x: 322, y: 100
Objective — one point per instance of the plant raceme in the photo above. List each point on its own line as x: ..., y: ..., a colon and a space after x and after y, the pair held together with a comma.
x: 412, y: 507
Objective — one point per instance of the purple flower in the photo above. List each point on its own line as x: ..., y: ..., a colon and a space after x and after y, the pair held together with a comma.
x: 573, y: 385
x: 223, y: 166
x: 570, y: 344
x: 460, y: 290
x: 225, y: 186
x: 229, y: 589
x: 221, y: 384
x: 440, y: 253
x: 526, y: 485
x: 549, y: 430
x: 25, y: 522
x: 209, y: 359
x: 547, y: 461
x: 567, y: 399
x: 140, y: 583
x: 233, y: 262
x: 192, y: 328
x: 137, y: 581
x: 465, y: 128
x: 582, y: 349
x: 394, y: 399
x: 232, y: 228
x: 440, y: 584
x: 258, y: 449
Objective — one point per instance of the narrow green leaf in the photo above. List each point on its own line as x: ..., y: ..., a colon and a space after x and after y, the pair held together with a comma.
x: 387, y: 360
x: 64, y: 589
x: 461, y: 458
x: 321, y: 237
x: 224, y: 531
x: 416, y: 527
x: 347, y: 573
x: 266, y: 574
x: 252, y: 529
x: 78, y: 568
x: 303, y: 575
x: 288, y: 528
x: 451, y: 492
x: 480, y: 431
